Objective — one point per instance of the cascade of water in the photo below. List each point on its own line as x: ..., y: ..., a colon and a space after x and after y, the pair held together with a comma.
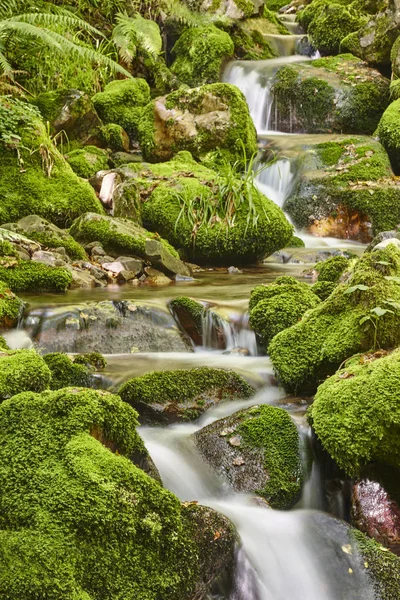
x: 276, y: 180
x: 228, y: 334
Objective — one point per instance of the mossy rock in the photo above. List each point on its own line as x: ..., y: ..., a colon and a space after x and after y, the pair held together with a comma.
x: 119, y: 237
x: 257, y: 451
x: 395, y: 57
x: 200, y: 120
x: 22, y: 371
x: 296, y: 242
x: 306, y: 353
x: 11, y: 307
x: 91, y: 359
x: 86, y: 161
x: 355, y: 413
x: 32, y: 276
x: 279, y: 305
x: 346, y: 189
x: 34, y: 176
x: 332, y: 269
x: 64, y: 372
x: 122, y: 102
x: 189, y: 315
x: 183, y: 395
x: 79, y: 518
x: 250, y: 43
x: 115, y: 137
x: 389, y: 134
x: 329, y: 94
x: 48, y: 235
x: 200, y: 53
x: 323, y: 289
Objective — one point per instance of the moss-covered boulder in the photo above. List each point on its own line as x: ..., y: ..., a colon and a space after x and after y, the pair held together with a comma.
x: 91, y: 359
x: 355, y: 413
x: 34, y: 177
x: 306, y: 353
x: 65, y: 373
x: 183, y: 395
x: 200, y: 120
x: 200, y: 53
x: 323, y: 289
x: 71, y: 114
x: 115, y: 137
x: 329, y: 94
x: 346, y: 189
x: 233, y: 10
x: 79, y: 518
x: 86, y: 161
x: 122, y: 102
x: 48, y: 235
x: 32, y: 276
x: 279, y: 305
x: 256, y: 450
x: 389, y: 134
x: 189, y: 315
x: 332, y: 269
x: 327, y: 23
x: 22, y: 371
x: 11, y: 307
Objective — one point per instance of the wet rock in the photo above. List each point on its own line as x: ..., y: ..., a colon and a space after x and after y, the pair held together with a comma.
x: 256, y: 450
x: 158, y: 255
x: 46, y: 258
x: 107, y: 327
x: 375, y: 513
x: 131, y: 264
x: 124, y: 276
x: 155, y: 277
x: 182, y: 395
x: 189, y: 315
x: 234, y: 271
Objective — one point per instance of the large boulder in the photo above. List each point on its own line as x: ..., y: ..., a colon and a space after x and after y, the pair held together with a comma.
x: 279, y: 305
x: 357, y: 316
x: 22, y: 371
x: 231, y: 9
x: 86, y: 161
x: 346, y: 189
x: 355, y: 413
x: 79, y: 518
x: 328, y: 94
x: 34, y: 177
x: 256, y: 450
x: 200, y: 53
x: 389, y: 134
x: 183, y: 395
x: 200, y: 120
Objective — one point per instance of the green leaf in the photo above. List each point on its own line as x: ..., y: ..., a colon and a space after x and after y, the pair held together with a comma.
x: 365, y: 319
x: 393, y: 278
x: 379, y: 311
x: 392, y: 303
x: 360, y: 286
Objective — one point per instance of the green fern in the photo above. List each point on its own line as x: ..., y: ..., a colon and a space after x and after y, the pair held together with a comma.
x: 136, y: 34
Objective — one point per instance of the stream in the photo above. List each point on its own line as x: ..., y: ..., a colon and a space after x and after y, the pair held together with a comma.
x: 292, y: 555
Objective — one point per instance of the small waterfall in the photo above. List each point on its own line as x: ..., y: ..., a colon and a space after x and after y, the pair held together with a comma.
x: 276, y: 180
x: 233, y: 333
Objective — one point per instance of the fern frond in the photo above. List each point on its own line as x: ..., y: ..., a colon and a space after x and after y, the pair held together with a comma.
x: 5, y: 66
x: 64, y: 19
x: 132, y: 33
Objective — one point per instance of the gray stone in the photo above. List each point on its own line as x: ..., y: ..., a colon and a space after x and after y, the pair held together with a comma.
x: 124, y: 276
x: 131, y: 264
x: 159, y: 256
x: 155, y: 277
x: 46, y: 258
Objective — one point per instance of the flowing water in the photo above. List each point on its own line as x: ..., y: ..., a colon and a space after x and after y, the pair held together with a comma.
x: 293, y: 555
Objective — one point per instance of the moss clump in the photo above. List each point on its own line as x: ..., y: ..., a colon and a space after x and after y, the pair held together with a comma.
x: 323, y: 289
x: 115, y: 137
x: 79, y: 519
x: 328, y: 28
x: 91, y: 359
x: 218, y: 118
x: 46, y: 185
x: 189, y: 315
x: 64, y: 372
x: 184, y: 394
x: 11, y: 307
x: 277, y: 306
x: 355, y: 413
x: 122, y: 102
x: 200, y: 53
x: 296, y: 242
x: 22, y: 371
x: 306, y: 353
x: 86, y: 161
x: 389, y: 133
x: 31, y: 276
x: 250, y: 44
x: 332, y: 269
x: 352, y: 178
x: 117, y: 236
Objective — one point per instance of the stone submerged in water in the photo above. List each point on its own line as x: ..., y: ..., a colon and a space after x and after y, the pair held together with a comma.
x: 182, y: 395
x: 256, y: 450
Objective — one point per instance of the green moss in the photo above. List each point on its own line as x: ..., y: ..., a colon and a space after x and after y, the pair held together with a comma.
x: 355, y: 413
x: 60, y: 197
x: 328, y: 28
x: 20, y: 371
x: 250, y: 44
x: 64, y: 372
x: 117, y: 236
x: 323, y: 289
x: 296, y: 242
x: 11, y: 307
x: 275, y: 5
x: 200, y: 53
x: 389, y: 133
x: 189, y: 313
x: 234, y: 130
x: 8, y: 249
x: 269, y: 14
x: 86, y: 161
x: 383, y: 565
x: 306, y: 353
x: 32, y: 276
x: 183, y: 387
x: 91, y: 359
x: 332, y: 269
x: 79, y: 519
x: 115, y: 137
x: 122, y: 102
x: 272, y: 430
x: 277, y: 306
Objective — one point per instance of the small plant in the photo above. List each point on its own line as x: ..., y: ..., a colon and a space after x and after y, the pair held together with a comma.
x: 375, y: 316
